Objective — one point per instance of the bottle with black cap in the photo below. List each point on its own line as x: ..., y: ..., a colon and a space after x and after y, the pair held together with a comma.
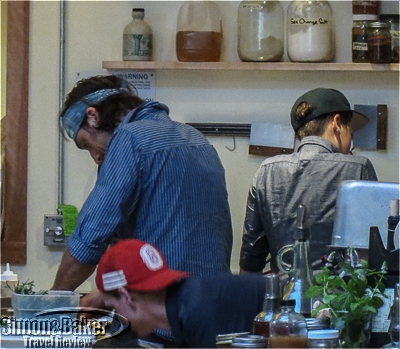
x: 301, y: 276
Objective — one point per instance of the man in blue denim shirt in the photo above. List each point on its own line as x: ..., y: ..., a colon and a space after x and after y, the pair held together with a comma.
x: 324, y: 122
x: 160, y: 181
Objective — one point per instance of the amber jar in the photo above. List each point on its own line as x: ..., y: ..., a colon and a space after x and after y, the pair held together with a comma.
x: 393, y: 21
x: 379, y: 43
x: 366, y: 7
x: 359, y: 37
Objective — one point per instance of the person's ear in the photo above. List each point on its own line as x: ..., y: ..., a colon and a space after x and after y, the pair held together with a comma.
x: 336, y: 123
x: 93, y: 117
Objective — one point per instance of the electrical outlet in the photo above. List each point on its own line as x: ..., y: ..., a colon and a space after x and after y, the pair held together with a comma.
x: 54, y: 230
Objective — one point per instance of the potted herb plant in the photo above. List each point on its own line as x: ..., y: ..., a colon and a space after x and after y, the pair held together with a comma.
x: 351, y: 297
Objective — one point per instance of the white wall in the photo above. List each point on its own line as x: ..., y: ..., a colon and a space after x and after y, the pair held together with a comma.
x: 94, y: 34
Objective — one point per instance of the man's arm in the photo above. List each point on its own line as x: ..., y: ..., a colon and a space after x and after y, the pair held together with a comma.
x: 71, y: 273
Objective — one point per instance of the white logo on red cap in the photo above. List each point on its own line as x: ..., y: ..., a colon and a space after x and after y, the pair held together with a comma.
x: 151, y: 257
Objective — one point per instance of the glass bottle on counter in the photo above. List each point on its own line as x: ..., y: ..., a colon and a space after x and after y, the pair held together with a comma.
x: 310, y: 31
x: 271, y: 306
x: 260, y: 31
x: 199, y: 32
x: 393, y: 21
x: 379, y: 43
x: 138, y: 38
x: 360, y: 38
x: 288, y: 329
x: 394, y: 328
x: 301, y: 276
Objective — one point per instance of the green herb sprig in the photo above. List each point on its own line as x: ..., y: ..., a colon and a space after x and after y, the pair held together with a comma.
x: 26, y: 287
x: 351, y: 297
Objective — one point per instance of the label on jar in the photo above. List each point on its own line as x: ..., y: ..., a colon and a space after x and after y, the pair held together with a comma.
x: 309, y: 21
x: 360, y: 46
x: 138, y: 45
x: 252, y: 6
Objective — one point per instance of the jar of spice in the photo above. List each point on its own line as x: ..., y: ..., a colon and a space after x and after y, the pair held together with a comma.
x: 393, y: 21
x: 379, y: 43
x: 359, y: 37
x: 310, y: 33
x: 260, y: 31
x: 327, y: 339
x: 366, y: 7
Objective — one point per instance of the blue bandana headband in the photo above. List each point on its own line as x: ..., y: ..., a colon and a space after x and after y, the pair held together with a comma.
x: 73, y: 117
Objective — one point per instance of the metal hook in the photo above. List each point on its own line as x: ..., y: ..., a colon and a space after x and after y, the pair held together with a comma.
x: 234, y: 145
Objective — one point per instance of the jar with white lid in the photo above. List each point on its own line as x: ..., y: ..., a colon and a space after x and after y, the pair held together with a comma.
x: 260, y: 31
x: 310, y: 31
x: 323, y: 339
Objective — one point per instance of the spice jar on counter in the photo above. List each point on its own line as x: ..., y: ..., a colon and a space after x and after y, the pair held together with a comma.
x: 310, y: 31
x: 379, y: 43
x: 326, y: 339
x: 359, y: 37
x: 393, y: 21
x: 288, y: 329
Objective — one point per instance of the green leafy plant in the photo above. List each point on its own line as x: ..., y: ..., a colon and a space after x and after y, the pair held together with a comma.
x: 351, y: 297
x: 26, y: 287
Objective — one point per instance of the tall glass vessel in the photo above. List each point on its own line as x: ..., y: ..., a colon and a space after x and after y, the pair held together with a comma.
x: 310, y: 31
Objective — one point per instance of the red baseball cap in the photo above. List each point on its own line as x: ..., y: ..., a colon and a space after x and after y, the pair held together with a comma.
x: 136, y: 265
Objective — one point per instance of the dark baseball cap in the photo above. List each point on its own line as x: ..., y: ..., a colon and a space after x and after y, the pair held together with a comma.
x: 326, y: 101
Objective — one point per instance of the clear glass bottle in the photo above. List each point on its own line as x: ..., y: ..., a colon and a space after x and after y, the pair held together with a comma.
x: 393, y: 21
x: 271, y: 306
x: 288, y: 329
x: 138, y: 38
x: 359, y: 37
x: 327, y: 339
x: 260, y: 31
x: 199, y: 32
x: 394, y: 328
x: 301, y: 276
x: 310, y: 31
x: 379, y: 43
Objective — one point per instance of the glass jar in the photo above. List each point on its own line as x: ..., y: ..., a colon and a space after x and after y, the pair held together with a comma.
x: 323, y: 339
x: 393, y: 21
x: 137, y: 39
x: 288, y: 329
x: 379, y: 43
x: 366, y: 7
x: 199, y: 32
x: 260, y: 31
x: 249, y: 341
x: 359, y: 37
x: 310, y: 31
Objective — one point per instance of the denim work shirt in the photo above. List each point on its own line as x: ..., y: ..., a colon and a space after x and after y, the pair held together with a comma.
x: 161, y: 182
x: 310, y: 176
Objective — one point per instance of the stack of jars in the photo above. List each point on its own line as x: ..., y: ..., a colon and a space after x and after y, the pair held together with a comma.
x: 374, y: 37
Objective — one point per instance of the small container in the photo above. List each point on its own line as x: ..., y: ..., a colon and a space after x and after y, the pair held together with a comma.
x: 310, y: 31
x: 225, y: 340
x: 260, y: 31
x: 199, y: 32
x: 138, y: 38
x: 288, y: 329
x: 360, y: 38
x: 393, y: 21
x: 379, y: 43
x: 250, y: 341
x: 323, y: 339
x: 8, y: 282
x: 366, y: 7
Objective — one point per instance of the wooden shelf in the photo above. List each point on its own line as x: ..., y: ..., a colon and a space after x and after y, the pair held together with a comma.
x: 256, y: 66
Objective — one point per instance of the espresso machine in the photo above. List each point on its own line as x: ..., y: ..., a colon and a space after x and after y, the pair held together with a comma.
x: 367, y: 218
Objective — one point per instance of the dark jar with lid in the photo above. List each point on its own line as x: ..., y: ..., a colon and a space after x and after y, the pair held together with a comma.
x: 360, y: 38
x: 393, y: 20
x: 366, y: 7
x: 379, y: 43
